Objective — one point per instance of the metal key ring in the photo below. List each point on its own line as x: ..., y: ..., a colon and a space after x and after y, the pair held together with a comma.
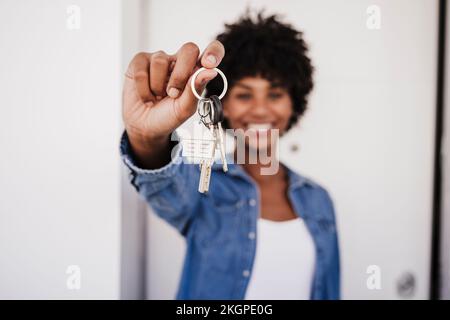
x: 204, y: 101
x: 225, y: 83
x: 210, y: 113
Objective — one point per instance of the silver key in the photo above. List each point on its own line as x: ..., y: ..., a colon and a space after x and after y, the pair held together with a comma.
x: 217, y: 116
x: 205, y: 176
x: 211, y: 114
x: 219, y: 143
x: 206, y: 165
x: 205, y: 107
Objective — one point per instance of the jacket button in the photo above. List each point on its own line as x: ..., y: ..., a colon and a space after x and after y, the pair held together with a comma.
x: 246, y: 273
x: 252, y: 202
x: 251, y: 235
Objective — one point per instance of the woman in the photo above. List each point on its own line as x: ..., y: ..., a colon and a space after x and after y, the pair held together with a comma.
x: 252, y: 236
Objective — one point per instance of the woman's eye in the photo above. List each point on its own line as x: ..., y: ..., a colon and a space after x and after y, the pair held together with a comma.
x: 243, y: 96
x: 275, y: 95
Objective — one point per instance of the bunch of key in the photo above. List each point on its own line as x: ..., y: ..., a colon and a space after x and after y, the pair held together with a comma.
x: 211, y: 115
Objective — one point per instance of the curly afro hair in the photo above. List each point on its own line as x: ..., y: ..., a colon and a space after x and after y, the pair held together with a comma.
x: 268, y: 48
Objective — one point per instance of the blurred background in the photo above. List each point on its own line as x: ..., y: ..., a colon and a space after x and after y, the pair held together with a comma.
x: 71, y: 225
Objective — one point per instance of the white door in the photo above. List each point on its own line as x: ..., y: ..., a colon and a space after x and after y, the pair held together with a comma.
x: 368, y: 135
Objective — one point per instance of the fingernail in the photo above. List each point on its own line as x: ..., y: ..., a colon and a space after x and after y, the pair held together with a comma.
x: 211, y: 59
x: 173, y: 92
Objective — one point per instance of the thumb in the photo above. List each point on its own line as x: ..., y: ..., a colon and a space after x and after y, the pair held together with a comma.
x: 188, y: 100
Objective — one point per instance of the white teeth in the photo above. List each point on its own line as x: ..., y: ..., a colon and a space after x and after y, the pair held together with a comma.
x: 260, y: 126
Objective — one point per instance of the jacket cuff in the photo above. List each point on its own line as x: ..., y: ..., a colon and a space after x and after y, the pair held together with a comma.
x: 166, y: 171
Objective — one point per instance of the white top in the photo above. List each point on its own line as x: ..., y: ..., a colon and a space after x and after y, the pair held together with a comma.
x: 284, y: 262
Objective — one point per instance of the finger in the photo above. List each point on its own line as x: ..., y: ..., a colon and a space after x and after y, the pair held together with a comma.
x: 138, y: 70
x: 188, y: 101
x: 212, y: 55
x: 159, y: 69
x: 186, y: 61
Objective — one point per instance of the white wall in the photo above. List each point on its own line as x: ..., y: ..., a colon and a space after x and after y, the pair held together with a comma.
x: 59, y: 131
x: 368, y: 135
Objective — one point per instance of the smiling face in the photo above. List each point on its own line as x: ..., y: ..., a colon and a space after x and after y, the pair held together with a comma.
x: 255, y: 104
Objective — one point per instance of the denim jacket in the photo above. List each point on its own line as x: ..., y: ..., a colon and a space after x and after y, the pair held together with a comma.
x: 220, y: 227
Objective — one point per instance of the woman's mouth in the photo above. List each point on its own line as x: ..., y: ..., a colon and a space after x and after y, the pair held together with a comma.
x: 259, y: 127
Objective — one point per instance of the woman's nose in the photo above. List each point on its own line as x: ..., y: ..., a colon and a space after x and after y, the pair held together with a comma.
x: 260, y: 107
